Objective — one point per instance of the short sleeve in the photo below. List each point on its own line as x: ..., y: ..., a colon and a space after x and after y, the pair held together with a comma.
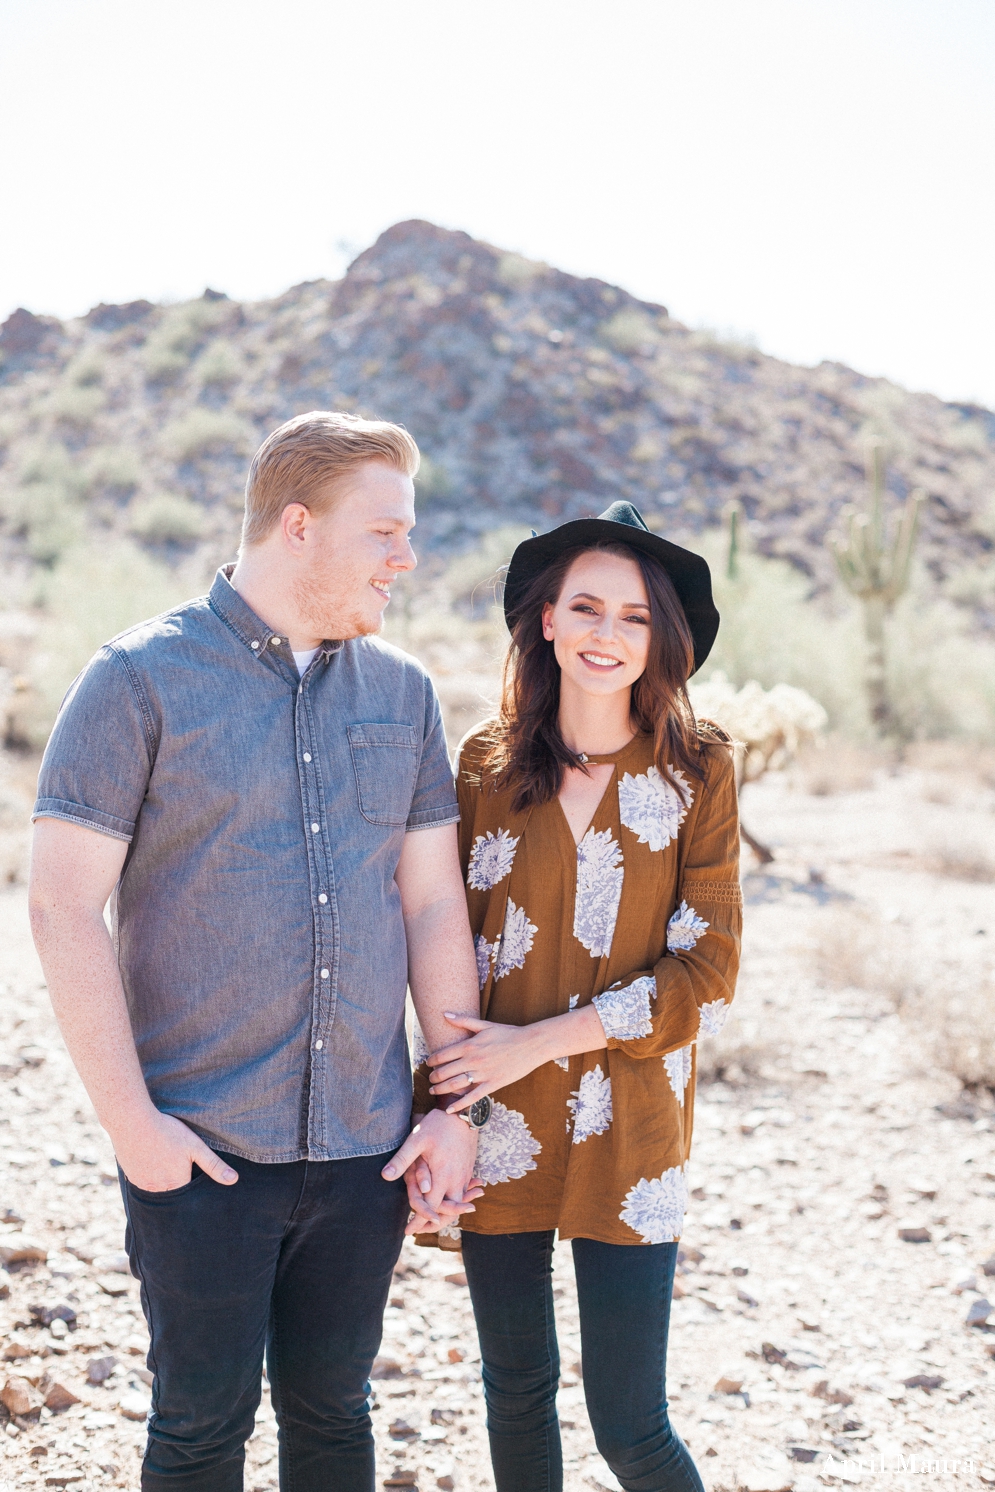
x: 434, y: 798
x: 99, y: 757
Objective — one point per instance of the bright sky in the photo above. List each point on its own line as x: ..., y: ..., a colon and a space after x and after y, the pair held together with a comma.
x: 814, y: 174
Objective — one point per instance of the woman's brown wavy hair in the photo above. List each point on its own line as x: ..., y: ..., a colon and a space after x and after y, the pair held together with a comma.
x: 524, y: 747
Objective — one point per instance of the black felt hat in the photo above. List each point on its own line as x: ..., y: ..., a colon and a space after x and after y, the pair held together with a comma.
x: 622, y: 524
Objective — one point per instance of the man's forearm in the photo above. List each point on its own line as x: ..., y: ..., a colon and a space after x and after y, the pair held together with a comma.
x: 442, y: 970
x: 84, y: 985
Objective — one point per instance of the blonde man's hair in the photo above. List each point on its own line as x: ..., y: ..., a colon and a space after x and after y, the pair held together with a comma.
x: 298, y: 462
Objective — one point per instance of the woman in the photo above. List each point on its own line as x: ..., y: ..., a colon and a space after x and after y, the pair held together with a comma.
x: 600, y: 847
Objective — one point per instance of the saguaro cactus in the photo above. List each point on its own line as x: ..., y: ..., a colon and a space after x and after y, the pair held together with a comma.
x: 874, y: 558
x: 732, y: 533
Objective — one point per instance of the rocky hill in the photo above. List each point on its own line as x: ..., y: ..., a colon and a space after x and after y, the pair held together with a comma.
x: 536, y: 396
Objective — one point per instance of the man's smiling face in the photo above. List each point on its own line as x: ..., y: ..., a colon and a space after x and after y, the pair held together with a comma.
x: 356, y: 549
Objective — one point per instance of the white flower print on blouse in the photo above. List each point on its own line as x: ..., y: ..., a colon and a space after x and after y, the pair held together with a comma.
x: 652, y: 807
x: 591, y: 1105
x: 655, y: 1209
x: 515, y: 941
x: 491, y: 859
x: 599, y: 889
x: 506, y: 1147
x: 625, y: 1013
x: 485, y: 952
x: 678, y: 1065
x: 713, y: 1017
x: 684, y: 929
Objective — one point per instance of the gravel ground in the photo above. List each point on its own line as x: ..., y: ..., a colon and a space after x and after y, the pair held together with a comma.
x: 809, y: 1338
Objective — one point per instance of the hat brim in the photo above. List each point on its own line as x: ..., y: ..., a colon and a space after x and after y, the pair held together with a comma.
x: 688, y: 572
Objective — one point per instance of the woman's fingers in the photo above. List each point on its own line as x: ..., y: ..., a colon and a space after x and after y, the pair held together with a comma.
x: 418, y: 1224
x: 458, y: 1053
x: 469, y: 1022
x: 450, y: 1070
x: 423, y: 1176
x: 454, y: 1085
x: 465, y: 1100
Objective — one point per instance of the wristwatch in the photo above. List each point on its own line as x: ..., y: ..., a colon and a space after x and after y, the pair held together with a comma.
x: 477, y: 1114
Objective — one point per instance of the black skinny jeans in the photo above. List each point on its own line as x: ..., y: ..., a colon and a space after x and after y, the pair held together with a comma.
x: 624, y: 1297
x: 293, y: 1260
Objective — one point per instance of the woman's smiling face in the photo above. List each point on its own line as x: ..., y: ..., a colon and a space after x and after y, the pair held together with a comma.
x: 600, y: 625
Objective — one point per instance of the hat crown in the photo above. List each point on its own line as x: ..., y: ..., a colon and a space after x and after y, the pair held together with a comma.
x: 623, y: 512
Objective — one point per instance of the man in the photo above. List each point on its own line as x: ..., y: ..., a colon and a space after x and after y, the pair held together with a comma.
x: 274, y: 814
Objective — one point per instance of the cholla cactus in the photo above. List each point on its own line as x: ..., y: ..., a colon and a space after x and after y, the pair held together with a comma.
x: 767, y: 726
x: 874, y: 565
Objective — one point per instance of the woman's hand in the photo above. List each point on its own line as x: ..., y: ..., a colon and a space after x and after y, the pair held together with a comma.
x: 491, y: 1058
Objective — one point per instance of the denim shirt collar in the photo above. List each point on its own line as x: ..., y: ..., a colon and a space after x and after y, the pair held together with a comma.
x: 250, y: 630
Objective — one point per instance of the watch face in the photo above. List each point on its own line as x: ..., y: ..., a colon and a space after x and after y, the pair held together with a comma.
x: 480, y: 1112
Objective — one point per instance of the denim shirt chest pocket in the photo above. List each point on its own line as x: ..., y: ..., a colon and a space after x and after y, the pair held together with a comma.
x: 385, y: 760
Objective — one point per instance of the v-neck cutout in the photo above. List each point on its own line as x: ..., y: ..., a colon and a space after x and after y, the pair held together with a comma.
x: 597, y: 807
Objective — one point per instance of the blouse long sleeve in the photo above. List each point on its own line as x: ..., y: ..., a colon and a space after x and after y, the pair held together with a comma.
x: 652, y: 1012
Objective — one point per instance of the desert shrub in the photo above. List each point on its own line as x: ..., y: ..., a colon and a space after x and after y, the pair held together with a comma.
x: 87, y: 368
x: 42, y: 505
x: 50, y: 522
x: 206, y: 432
x: 941, y: 670
x: 475, y: 578
x: 629, y: 330
x: 167, y: 518
x: 90, y: 595
x: 115, y: 470
x: 219, y: 365
x: 51, y: 463
x: 949, y: 1013
x: 944, y: 995
x: 772, y: 631
x: 970, y: 762
x: 171, y: 345
x: 432, y: 484
x: 961, y: 861
x: 518, y: 273
x: 77, y: 404
x: 851, y: 947
x: 941, y: 673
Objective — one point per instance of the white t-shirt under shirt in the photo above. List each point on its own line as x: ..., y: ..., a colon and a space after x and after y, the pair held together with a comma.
x: 303, y: 659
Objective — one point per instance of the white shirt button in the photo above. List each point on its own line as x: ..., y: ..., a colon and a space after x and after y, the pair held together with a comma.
x: 307, y: 756
x: 324, y: 973
x: 315, y: 828
x: 318, y: 1045
x: 322, y: 898
x: 253, y: 644
x: 275, y: 641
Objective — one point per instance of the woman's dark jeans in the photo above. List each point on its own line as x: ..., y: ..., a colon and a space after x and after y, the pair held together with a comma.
x: 624, y: 1298
x: 295, y: 1261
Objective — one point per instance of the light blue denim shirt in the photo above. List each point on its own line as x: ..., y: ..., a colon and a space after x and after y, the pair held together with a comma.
x: 257, y: 921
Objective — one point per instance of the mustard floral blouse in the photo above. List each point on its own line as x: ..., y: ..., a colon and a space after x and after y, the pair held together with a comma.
x: 642, y: 918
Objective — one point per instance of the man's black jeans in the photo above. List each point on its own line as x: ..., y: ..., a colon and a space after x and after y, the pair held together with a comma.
x: 293, y: 1261
x: 624, y: 1298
